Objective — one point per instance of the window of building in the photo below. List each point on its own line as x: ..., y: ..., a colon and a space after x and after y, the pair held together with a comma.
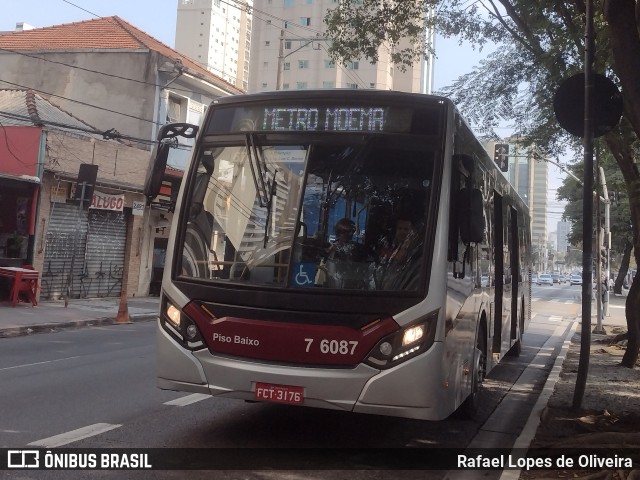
x: 328, y: 84
x: 301, y: 85
x: 267, y: 43
x: 306, y: 21
x: 352, y: 85
x: 264, y: 85
x: 286, y: 24
x: 372, y: 85
x: 285, y: 86
x: 286, y: 66
x: 353, y: 65
x: 176, y: 109
x: 287, y: 44
x: 329, y: 64
x: 288, y: 3
x: 303, y: 64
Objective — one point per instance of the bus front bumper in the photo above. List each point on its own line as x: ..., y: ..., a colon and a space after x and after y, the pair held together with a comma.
x: 406, y: 390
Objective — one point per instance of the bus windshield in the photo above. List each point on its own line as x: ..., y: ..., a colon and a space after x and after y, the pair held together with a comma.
x: 302, y: 210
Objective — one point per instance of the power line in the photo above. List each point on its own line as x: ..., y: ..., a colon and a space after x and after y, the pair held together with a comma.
x: 24, y: 87
x: 108, y: 134
x: 83, y: 9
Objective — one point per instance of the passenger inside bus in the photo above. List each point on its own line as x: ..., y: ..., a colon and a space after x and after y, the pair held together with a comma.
x: 398, y: 248
x: 344, y: 258
x: 344, y: 248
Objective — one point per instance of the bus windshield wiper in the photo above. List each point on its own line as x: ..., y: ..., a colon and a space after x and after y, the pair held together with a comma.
x: 255, y: 162
x: 273, y: 187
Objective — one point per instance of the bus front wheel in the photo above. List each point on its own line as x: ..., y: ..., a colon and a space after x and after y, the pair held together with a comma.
x: 469, y: 407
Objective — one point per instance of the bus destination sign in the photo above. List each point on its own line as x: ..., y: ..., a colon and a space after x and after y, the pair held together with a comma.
x: 328, y: 119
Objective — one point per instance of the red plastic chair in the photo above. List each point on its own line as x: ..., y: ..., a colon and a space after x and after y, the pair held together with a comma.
x: 26, y: 283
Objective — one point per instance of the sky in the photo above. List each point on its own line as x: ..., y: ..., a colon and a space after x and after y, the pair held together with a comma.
x: 158, y: 18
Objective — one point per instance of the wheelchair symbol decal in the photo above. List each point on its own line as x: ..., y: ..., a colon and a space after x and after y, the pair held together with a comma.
x: 303, y: 274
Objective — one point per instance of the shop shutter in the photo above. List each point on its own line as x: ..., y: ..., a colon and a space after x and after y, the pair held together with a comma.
x: 104, y: 258
x: 65, y: 246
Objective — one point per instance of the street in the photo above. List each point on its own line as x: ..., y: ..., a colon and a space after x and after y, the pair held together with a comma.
x: 95, y: 388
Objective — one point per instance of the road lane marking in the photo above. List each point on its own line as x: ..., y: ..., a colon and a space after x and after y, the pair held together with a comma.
x: 39, y: 363
x: 188, y: 400
x: 73, y: 435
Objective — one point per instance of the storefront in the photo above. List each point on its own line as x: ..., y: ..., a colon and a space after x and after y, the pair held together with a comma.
x: 85, y: 248
x: 19, y: 188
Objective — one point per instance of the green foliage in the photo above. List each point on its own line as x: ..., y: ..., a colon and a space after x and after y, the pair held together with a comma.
x: 620, y: 216
x: 359, y: 28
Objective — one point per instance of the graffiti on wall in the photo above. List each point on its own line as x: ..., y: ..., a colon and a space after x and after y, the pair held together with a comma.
x: 84, y: 262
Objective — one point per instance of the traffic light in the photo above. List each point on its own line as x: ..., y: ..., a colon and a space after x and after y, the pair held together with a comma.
x: 501, y: 156
x: 603, y: 256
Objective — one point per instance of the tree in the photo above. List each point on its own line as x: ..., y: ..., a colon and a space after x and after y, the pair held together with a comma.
x: 540, y: 44
x: 620, y: 225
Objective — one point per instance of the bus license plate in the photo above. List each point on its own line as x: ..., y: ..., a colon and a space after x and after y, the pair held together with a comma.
x: 279, y: 393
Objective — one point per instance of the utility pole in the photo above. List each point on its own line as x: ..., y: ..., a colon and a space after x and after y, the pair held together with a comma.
x: 123, y: 308
x: 282, y: 56
x: 587, y: 235
x: 607, y: 238
x: 280, y: 61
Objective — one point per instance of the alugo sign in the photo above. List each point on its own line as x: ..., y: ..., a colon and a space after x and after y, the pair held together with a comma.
x: 106, y: 201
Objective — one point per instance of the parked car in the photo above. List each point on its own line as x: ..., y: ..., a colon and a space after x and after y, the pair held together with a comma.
x: 534, y: 278
x: 576, y: 279
x: 555, y: 277
x: 545, y: 279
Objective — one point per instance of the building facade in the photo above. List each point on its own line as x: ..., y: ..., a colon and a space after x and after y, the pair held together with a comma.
x: 217, y: 35
x: 289, y: 52
x: 563, y: 231
x: 124, y: 85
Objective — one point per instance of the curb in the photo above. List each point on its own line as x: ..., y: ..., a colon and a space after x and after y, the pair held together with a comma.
x: 529, y: 431
x: 22, y: 331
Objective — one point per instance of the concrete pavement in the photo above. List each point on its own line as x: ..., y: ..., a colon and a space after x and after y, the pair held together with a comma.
x: 50, y: 316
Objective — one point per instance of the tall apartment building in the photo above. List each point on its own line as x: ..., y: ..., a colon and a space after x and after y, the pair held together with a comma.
x: 289, y: 51
x: 564, y: 229
x: 217, y: 34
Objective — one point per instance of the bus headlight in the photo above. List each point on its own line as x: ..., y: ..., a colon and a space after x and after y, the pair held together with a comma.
x: 173, y: 315
x: 180, y: 326
x: 404, y: 344
x: 413, y: 334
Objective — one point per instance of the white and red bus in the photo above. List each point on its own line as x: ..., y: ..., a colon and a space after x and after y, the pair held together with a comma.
x: 345, y: 249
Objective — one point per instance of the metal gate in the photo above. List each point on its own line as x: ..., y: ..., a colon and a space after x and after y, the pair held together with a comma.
x: 104, y: 259
x: 65, y: 245
x: 85, y: 250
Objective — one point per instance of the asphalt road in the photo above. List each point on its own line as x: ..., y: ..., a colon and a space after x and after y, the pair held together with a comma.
x: 95, y: 388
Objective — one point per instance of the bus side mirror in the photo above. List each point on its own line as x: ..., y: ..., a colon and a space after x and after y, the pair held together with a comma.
x: 160, y: 154
x: 471, y: 215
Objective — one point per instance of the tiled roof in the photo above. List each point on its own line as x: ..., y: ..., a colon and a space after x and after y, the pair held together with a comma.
x: 27, y: 108
x: 106, y: 33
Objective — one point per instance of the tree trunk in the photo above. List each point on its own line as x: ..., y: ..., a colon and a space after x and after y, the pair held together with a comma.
x: 624, y: 268
x: 632, y: 309
x: 625, y: 46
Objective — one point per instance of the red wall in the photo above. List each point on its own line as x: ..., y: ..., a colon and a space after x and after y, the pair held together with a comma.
x: 19, y: 149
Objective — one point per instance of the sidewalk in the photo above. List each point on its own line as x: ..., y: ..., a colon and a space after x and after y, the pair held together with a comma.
x: 50, y: 316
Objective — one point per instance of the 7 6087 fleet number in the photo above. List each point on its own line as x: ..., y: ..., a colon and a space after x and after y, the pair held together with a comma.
x: 333, y: 347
